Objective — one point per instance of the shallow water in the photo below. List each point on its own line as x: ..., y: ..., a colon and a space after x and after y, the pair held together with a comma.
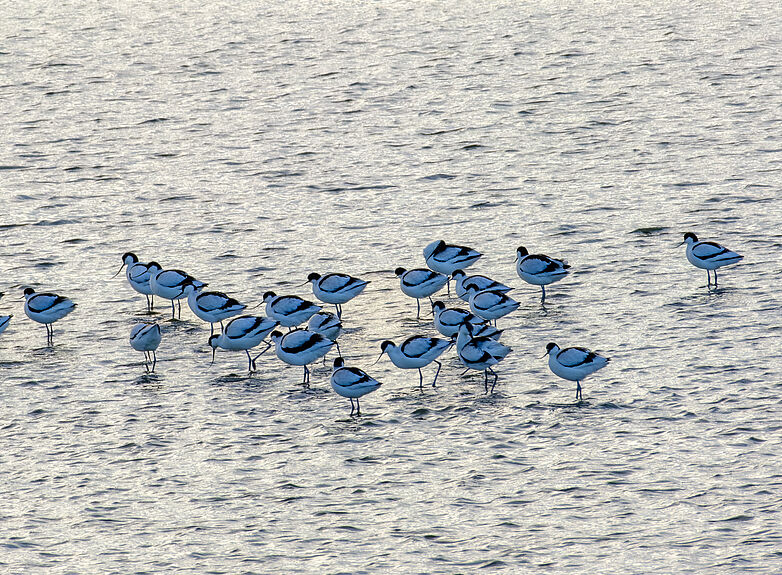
x: 251, y: 145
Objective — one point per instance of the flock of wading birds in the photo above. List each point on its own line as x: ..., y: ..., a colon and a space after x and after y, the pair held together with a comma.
x: 471, y: 332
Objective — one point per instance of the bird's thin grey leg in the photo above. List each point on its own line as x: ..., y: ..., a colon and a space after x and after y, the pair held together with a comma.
x: 543, y: 299
x: 267, y: 348
x: 257, y: 356
x: 439, y: 365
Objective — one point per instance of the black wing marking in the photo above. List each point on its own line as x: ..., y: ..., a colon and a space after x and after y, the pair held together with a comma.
x: 329, y: 283
x: 418, y: 346
x: 46, y: 301
x: 485, y: 356
x: 307, y: 343
x: 549, y: 264
x: 718, y: 250
x: 240, y: 327
x: 291, y: 304
x: 223, y: 301
x: 462, y: 253
x: 361, y: 377
x: 429, y: 275
x: 171, y: 275
x: 587, y: 357
x: 138, y: 271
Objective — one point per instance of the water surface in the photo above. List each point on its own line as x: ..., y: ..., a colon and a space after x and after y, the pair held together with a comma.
x: 252, y: 145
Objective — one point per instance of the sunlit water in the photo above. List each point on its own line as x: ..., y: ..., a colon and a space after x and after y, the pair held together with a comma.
x: 251, y: 145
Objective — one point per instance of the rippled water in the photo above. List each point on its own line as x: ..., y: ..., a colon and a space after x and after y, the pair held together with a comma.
x: 251, y: 145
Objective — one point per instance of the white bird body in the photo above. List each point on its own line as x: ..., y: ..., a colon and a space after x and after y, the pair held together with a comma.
x: 479, y: 281
x: 4, y: 321
x: 170, y: 285
x: 336, y: 288
x: 242, y: 334
x: 138, y: 273
x: 490, y: 305
x: 574, y: 363
x: 446, y: 258
x: 468, y: 331
x: 448, y: 320
x: 416, y: 352
x: 146, y: 337
x: 46, y: 308
x: 326, y: 324
x: 709, y: 255
x: 481, y: 354
x: 289, y: 310
x: 212, y: 306
x: 352, y: 382
x: 301, y: 347
x: 539, y: 269
x: 419, y: 283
